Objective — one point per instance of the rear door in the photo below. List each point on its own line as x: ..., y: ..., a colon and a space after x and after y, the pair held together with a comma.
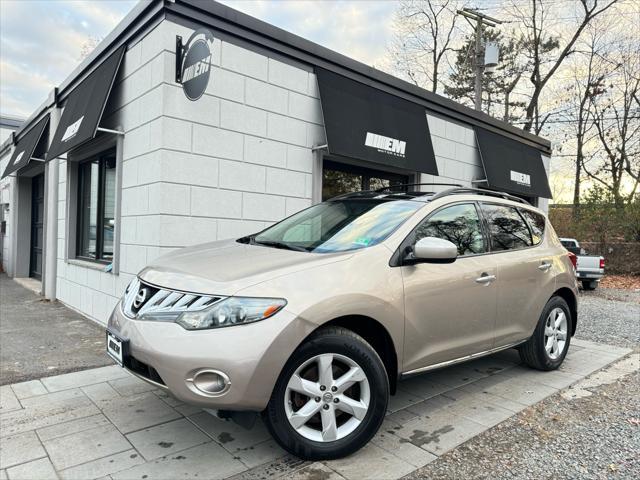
x: 525, y: 269
x: 450, y: 308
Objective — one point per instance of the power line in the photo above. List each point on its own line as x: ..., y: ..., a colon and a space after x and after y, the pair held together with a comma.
x: 573, y: 120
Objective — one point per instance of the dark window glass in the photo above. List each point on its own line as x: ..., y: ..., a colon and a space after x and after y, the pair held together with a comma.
x: 536, y: 222
x: 96, y: 207
x: 340, y: 178
x: 508, y: 229
x: 460, y: 224
x: 337, y: 226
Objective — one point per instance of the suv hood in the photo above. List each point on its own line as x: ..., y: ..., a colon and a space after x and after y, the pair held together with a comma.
x: 225, y: 267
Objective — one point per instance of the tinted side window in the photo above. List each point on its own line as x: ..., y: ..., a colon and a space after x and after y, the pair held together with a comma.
x: 536, y: 222
x: 460, y: 224
x: 507, y: 228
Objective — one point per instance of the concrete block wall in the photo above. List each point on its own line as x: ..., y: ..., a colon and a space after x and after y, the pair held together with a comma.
x: 456, y: 151
x: 228, y: 164
x: 5, y: 200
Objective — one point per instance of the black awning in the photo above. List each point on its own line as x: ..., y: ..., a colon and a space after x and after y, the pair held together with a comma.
x: 512, y: 166
x: 368, y: 124
x: 83, y: 109
x: 25, y: 147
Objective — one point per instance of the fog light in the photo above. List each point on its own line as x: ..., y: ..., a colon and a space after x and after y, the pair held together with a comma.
x: 210, y: 382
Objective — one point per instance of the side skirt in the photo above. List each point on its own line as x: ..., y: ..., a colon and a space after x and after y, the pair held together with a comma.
x: 455, y: 361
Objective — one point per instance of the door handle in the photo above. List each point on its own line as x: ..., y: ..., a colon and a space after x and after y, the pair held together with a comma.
x: 485, y: 279
x: 544, y: 266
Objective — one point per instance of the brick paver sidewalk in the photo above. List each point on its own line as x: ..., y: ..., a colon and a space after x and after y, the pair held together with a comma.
x: 105, y: 423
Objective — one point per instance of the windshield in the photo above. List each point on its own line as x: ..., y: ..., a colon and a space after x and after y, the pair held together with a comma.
x: 337, y: 226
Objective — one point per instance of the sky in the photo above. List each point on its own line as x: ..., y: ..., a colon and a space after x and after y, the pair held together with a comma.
x: 41, y: 41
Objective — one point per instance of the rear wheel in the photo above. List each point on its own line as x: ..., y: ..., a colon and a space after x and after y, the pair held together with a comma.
x: 548, y: 345
x: 330, y: 398
x: 589, y: 284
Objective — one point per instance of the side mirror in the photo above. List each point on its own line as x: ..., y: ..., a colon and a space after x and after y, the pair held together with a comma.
x: 434, y: 250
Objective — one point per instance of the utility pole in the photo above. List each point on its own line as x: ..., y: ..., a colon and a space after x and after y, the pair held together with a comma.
x: 481, y: 20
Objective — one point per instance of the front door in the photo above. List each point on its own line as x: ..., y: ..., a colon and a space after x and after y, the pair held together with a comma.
x: 450, y: 308
x: 37, y: 225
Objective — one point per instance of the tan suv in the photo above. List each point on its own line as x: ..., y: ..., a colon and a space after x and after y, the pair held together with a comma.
x: 313, y: 321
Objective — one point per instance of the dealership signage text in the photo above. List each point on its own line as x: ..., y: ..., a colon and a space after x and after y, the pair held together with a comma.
x: 384, y: 144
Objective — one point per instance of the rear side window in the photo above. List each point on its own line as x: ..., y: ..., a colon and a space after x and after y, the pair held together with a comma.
x: 507, y: 227
x: 460, y: 224
x: 536, y: 222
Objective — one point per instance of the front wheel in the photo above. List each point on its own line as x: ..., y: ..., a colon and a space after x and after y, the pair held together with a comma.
x: 548, y: 345
x: 330, y: 398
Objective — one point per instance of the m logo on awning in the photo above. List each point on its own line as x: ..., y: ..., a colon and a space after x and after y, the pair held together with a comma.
x: 72, y: 129
x: 384, y: 144
x: 521, y: 178
x: 18, y: 158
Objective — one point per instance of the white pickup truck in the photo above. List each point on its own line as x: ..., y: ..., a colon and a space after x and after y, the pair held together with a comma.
x: 590, y: 268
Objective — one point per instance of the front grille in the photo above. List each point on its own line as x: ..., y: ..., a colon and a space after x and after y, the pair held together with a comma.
x: 140, y: 298
x: 144, y: 370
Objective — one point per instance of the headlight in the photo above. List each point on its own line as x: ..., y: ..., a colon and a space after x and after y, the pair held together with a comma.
x: 228, y: 312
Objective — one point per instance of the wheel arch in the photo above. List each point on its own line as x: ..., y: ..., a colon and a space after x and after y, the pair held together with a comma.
x: 568, y: 296
x: 377, y: 336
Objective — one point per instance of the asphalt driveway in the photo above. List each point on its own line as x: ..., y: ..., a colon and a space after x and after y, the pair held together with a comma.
x: 39, y: 338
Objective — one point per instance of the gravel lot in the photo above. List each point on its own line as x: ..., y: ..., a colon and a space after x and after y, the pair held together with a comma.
x: 609, y: 321
x: 614, y: 294
x: 593, y: 437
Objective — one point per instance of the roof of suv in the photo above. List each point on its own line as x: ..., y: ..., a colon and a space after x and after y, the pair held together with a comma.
x: 408, y: 191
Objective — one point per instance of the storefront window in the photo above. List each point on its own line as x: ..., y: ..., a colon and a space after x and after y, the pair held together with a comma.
x: 96, y: 207
x: 338, y: 179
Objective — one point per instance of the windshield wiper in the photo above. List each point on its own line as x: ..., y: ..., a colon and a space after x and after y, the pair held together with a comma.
x: 274, y: 244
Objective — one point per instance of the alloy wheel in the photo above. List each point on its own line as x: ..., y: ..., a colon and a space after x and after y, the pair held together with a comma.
x: 555, y: 333
x: 327, y: 397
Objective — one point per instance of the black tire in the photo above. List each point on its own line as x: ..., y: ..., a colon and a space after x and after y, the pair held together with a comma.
x: 589, y: 284
x: 344, y: 342
x: 533, y: 352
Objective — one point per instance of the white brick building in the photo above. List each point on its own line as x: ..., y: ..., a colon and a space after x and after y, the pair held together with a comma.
x: 155, y: 171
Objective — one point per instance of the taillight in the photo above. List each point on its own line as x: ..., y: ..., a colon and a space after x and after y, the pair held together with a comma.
x: 574, y: 260
x: 602, y: 263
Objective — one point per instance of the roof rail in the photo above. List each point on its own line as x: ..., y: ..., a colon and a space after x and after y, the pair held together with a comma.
x: 383, y: 189
x: 479, y: 191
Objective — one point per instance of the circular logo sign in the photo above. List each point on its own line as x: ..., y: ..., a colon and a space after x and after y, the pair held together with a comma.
x: 196, y: 64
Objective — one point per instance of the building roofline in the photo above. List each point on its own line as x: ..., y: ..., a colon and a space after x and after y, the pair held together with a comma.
x: 284, y: 42
x: 288, y: 44
x: 10, y: 121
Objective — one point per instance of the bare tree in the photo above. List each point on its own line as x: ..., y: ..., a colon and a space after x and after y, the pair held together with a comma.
x: 616, y: 118
x: 534, y: 23
x: 588, y: 77
x: 424, y: 34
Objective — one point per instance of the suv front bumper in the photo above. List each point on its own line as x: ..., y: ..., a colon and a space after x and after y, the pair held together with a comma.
x: 251, y: 356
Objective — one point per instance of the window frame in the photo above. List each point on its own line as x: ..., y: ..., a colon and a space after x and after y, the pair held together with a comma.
x: 544, y: 230
x: 398, y: 256
x: 409, y: 240
x: 488, y: 229
x: 101, y: 158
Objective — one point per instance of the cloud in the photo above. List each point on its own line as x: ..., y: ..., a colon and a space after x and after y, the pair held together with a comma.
x: 358, y: 29
x: 41, y: 40
x: 41, y: 44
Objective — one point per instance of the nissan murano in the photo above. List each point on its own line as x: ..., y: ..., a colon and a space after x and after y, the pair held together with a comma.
x: 313, y: 321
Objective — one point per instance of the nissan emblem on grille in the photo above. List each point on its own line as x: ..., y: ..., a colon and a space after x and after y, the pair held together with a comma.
x: 140, y: 297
